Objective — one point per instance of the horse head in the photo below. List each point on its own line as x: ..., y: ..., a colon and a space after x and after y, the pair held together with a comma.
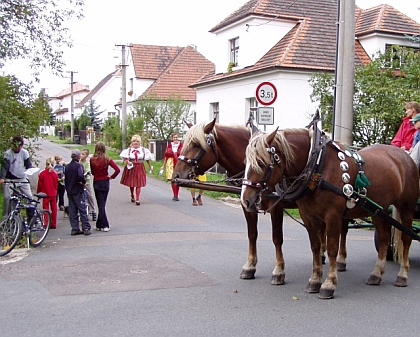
x: 199, y: 152
x: 268, y: 158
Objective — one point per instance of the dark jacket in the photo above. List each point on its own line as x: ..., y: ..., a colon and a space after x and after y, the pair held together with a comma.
x: 75, y: 179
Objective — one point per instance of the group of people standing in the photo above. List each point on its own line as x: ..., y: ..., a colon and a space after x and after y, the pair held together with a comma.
x: 75, y: 179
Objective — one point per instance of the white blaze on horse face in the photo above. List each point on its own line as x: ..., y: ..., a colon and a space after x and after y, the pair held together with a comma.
x: 244, y: 186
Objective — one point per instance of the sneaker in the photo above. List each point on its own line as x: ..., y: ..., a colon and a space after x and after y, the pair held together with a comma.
x: 106, y: 229
x: 61, y: 208
x: 98, y: 229
x: 175, y: 199
x: 138, y: 202
x: 76, y: 232
x: 86, y: 231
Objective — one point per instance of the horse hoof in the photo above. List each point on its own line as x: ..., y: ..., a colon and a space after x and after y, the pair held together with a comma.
x: 277, y: 280
x: 313, y: 288
x: 341, y: 266
x: 401, y: 282
x: 248, y: 274
x: 326, y: 294
x: 373, y: 280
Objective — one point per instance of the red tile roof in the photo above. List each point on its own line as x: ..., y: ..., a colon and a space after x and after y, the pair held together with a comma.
x: 311, y: 44
x: 174, y: 69
x: 77, y: 87
x: 385, y: 19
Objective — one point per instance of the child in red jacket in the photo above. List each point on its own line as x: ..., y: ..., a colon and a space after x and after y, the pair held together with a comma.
x: 48, y: 183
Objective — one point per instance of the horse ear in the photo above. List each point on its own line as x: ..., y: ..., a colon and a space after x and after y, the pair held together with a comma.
x: 209, y: 127
x: 272, y: 136
x: 188, y: 124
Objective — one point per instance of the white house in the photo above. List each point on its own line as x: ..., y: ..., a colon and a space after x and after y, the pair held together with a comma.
x: 160, y: 71
x: 61, y: 103
x: 283, y: 43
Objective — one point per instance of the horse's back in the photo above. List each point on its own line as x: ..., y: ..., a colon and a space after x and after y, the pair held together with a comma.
x: 391, y: 168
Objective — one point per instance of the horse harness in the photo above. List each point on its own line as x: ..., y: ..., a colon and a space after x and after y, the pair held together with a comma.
x: 311, y: 178
x: 194, y: 162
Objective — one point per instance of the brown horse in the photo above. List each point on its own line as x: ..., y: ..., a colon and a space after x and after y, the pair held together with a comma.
x: 208, y: 144
x: 394, y: 180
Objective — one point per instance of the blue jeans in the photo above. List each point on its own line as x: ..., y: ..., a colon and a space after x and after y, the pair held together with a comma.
x: 77, y: 206
x: 101, y: 188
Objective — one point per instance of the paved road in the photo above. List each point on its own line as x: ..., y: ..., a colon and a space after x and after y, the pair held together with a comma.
x: 170, y: 269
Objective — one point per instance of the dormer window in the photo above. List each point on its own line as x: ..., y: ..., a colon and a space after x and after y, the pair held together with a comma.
x: 234, y: 50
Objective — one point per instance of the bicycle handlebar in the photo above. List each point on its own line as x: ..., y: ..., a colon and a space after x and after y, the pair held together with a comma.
x: 23, y: 196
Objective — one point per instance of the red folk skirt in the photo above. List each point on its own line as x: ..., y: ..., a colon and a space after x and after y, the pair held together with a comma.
x: 135, y: 177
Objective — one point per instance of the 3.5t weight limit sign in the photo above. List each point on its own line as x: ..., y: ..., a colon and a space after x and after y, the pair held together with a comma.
x: 266, y: 93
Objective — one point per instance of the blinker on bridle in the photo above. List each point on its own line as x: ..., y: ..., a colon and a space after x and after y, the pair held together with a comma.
x: 194, y: 162
x: 262, y: 184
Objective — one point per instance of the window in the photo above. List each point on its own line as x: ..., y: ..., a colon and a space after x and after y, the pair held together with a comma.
x: 251, y: 105
x: 398, y: 55
x: 234, y: 50
x: 214, y: 110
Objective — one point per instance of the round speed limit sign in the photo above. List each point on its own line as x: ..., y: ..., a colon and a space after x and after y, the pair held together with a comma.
x: 266, y: 93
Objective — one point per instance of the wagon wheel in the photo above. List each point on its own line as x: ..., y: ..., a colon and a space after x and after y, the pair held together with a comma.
x: 389, y: 253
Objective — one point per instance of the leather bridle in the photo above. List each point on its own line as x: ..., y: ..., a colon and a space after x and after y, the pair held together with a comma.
x: 194, y: 162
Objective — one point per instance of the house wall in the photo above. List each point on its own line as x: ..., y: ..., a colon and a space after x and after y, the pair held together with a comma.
x: 66, y: 103
x: 255, y: 40
x: 292, y: 107
x: 374, y: 43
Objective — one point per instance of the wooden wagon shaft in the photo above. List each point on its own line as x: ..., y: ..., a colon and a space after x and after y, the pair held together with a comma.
x: 207, y: 186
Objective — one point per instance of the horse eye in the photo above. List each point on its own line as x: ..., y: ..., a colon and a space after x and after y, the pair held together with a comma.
x: 196, y: 145
x: 260, y: 163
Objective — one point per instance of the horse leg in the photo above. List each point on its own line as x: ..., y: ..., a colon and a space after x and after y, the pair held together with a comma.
x: 250, y: 267
x: 277, y: 277
x: 384, y: 236
x: 342, y: 253
x: 402, y: 277
x: 333, y: 230
x: 315, y: 238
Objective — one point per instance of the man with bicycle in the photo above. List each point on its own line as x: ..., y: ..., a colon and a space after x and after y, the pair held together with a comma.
x: 15, y: 162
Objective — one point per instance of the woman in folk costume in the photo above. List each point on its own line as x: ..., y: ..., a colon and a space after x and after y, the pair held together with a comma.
x: 172, y: 152
x: 134, y: 174
x: 48, y: 183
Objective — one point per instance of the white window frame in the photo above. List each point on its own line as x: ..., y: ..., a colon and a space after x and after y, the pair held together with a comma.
x: 234, y: 51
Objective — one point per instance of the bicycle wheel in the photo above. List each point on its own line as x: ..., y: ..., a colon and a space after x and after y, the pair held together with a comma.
x: 10, y: 233
x: 39, y: 227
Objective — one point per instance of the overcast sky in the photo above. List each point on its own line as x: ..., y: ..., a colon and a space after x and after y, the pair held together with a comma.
x: 158, y: 22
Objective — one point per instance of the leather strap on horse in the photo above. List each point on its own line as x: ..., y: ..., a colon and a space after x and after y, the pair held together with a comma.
x: 373, y: 208
x: 377, y: 210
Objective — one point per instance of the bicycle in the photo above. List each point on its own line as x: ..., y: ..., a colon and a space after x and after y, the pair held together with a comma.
x: 14, y: 226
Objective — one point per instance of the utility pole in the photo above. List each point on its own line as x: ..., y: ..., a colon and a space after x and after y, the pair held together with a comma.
x: 72, y: 105
x: 123, y: 97
x: 344, y: 78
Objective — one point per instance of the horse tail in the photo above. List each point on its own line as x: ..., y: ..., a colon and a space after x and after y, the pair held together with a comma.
x: 396, y: 241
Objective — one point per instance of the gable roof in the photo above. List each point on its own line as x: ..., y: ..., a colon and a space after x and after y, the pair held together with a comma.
x: 77, y: 87
x: 98, y: 87
x: 150, y: 61
x: 174, y: 69
x: 311, y: 44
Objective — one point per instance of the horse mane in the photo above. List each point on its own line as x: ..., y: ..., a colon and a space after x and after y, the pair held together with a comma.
x: 258, y: 146
x: 196, y: 135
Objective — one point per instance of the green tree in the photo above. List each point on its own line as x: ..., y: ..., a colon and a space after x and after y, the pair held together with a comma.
x: 162, y: 117
x: 381, y: 90
x: 35, y: 30
x: 21, y: 112
x: 112, y: 132
x: 89, y: 117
